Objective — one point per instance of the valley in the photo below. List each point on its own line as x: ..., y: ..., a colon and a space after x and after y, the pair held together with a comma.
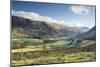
x: 38, y: 42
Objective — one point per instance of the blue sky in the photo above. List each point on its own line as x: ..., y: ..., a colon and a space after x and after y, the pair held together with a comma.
x: 72, y: 14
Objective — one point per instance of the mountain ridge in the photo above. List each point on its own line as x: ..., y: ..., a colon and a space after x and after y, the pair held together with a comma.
x: 91, y: 34
x: 41, y: 28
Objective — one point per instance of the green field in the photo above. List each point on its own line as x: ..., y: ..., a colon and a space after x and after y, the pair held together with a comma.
x: 30, y: 51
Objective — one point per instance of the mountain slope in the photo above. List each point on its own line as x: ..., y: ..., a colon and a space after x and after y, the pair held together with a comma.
x: 91, y: 34
x: 22, y: 27
x: 32, y: 28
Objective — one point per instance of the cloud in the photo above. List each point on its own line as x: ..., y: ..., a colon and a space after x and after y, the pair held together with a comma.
x: 75, y: 23
x: 33, y: 16
x: 80, y: 9
x: 38, y: 17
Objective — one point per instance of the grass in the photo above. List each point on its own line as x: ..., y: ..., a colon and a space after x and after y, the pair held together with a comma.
x: 28, y: 40
x: 58, y: 44
x: 27, y: 49
x: 61, y: 38
x: 57, y: 58
x: 82, y: 56
x: 34, y: 52
x: 87, y: 43
x: 62, y: 43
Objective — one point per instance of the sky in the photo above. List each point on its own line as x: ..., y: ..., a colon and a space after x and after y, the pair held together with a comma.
x: 66, y: 14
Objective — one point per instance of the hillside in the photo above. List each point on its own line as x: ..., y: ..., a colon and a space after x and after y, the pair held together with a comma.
x: 30, y: 28
x: 91, y: 34
x: 22, y: 27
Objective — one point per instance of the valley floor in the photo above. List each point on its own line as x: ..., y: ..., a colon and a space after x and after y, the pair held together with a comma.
x: 52, y: 53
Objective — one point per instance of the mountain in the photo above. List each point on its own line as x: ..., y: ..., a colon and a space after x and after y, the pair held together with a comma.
x: 23, y: 27
x: 91, y: 34
x: 65, y: 30
x: 83, y: 29
x: 30, y: 28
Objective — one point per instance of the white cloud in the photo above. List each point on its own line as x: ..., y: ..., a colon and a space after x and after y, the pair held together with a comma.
x: 33, y: 16
x: 80, y: 9
x: 38, y: 17
x: 75, y: 23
